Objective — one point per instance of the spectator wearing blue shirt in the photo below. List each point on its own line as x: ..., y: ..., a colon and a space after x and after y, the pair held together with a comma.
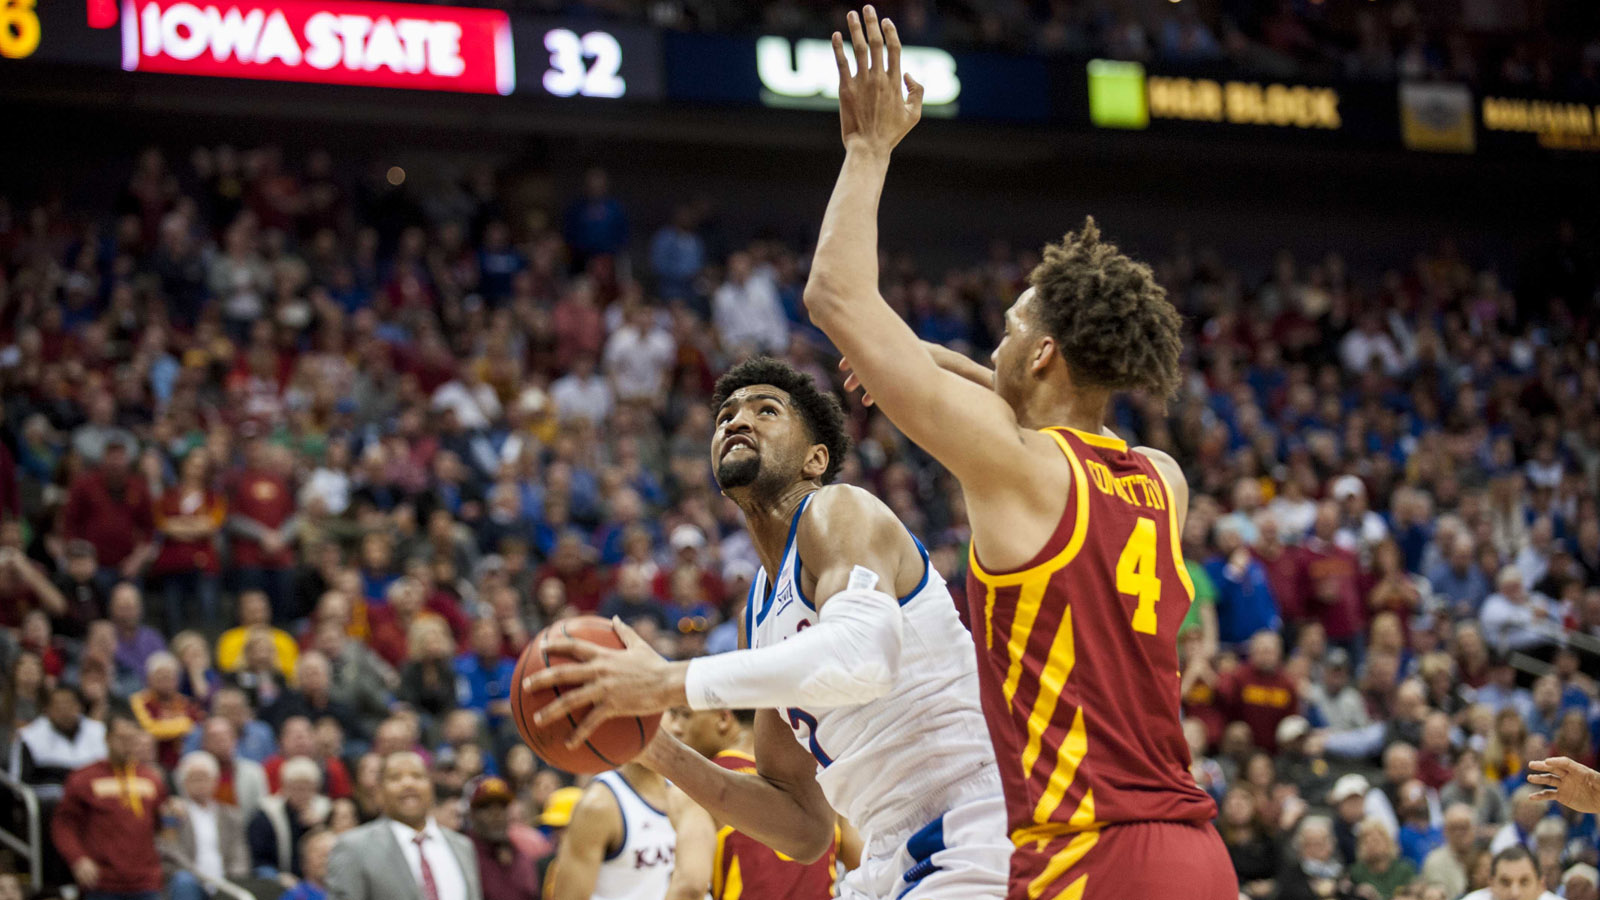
x: 627, y: 513
x: 1244, y: 601
x: 1457, y: 580
x: 596, y: 224
x: 1419, y: 834
x: 483, y: 676
x: 1409, y: 517
x: 677, y: 254
x: 256, y: 739
x: 498, y: 262
x: 315, y: 848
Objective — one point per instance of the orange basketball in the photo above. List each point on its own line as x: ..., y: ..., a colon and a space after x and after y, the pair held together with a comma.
x: 613, y: 743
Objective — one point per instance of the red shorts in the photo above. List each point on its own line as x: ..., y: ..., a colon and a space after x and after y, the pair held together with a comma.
x: 1133, y: 861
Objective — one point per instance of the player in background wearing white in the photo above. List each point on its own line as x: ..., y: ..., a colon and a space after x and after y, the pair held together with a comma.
x: 634, y: 837
x: 864, y: 678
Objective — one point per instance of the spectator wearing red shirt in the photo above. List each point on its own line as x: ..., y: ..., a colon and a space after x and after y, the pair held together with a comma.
x: 1331, y: 576
x: 1435, y: 755
x: 37, y: 638
x: 688, y: 543
x: 165, y: 714
x: 24, y: 585
x: 1259, y: 693
x: 10, y: 496
x: 297, y: 738
x: 1282, y: 565
x: 111, y: 509
x: 189, y: 517
x: 1201, y: 702
x: 110, y: 813
x: 572, y: 564
x: 261, y: 522
x: 508, y: 873
x: 391, y: 622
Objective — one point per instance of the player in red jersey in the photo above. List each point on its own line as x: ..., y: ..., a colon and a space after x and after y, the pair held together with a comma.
x: 1078, y: 585
x: 745, y: 868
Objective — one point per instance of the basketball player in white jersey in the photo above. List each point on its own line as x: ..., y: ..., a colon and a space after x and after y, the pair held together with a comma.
x: 864, y: 678
x: 633, y: 837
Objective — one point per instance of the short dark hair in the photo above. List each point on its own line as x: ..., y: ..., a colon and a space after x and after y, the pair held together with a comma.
x: 1512, y: 854
x: 1113, y: 323
x: 819, y: 410
x: 63, y: 688
x: 121, y: 712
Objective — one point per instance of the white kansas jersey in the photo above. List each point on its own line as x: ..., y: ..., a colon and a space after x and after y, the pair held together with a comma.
x: 641, y: 868
x: 892, y: 764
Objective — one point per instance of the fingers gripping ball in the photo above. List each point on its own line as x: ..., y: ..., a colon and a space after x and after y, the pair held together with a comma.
x: 615, y: 742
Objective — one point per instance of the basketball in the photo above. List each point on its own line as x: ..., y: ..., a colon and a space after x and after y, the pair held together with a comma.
x: 615, y: 742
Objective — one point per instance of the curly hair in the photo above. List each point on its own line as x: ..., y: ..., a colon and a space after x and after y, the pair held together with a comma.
x: 819, y: 410
x: 1113, y: 323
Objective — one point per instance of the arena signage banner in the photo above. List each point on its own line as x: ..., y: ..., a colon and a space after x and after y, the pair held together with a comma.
x: 780, y: 72
x: 349, y: 42
x: 804, y: 74
x: 1552, y: 124
x: 1123, y: 95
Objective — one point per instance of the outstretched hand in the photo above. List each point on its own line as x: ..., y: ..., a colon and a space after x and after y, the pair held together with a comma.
x: 1571, y: 784
x: 853, y: 381
x: 873, y: 113
x: 632, y: 681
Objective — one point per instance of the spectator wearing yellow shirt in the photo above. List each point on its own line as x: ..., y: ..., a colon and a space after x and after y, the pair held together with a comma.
x: 255, y: 612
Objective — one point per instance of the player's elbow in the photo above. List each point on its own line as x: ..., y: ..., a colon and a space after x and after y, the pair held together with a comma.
x: 823, y: 297
x: 814, y: 844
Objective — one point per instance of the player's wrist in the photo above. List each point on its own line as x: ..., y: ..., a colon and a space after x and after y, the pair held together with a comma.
x: 867, y: 149
x: 674, y: 686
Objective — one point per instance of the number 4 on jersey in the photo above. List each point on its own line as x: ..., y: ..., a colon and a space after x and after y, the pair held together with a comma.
x: 1136, y: 575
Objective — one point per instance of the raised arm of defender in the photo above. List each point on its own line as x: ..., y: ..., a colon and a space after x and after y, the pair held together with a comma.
x: 1016, y: 481
x: 937, y: 409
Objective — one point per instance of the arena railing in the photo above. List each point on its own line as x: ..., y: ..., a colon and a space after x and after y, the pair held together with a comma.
x: 28, y: 844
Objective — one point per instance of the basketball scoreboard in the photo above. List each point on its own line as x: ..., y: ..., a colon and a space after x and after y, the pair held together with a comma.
x: 424, y: 47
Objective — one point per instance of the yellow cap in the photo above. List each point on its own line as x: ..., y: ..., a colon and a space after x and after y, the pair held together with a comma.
x: 558, y: 809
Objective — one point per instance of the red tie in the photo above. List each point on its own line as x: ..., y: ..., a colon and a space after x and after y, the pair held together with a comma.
x: 430, y: 890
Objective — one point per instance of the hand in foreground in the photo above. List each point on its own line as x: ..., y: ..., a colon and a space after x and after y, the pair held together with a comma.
x: 1571, y: 784
x: 86, y: 873
x: 633, y: 681
x: 853, y: 381
x: 873, y: 113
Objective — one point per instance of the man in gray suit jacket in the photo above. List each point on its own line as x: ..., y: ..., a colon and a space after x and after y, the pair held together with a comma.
x: 404, y: 854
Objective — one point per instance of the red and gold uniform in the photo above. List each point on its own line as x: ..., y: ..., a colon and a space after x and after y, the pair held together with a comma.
x: 1078, y: 663
x: 747, y: 869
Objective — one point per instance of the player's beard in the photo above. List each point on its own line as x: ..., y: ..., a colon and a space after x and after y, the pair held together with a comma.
x: 740, y: 472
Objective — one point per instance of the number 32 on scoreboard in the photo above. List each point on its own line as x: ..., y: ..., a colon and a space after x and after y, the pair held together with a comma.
x: 19, y: 29
x: 587, y: 66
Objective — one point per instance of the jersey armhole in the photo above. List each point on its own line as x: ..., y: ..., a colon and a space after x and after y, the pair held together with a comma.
x: 1176, y: 533
x: 621, y: 816
x: 927, y: 567
x: 1063, y: 544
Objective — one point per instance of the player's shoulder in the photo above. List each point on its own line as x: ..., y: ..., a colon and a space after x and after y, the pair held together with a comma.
x: 599, y: 798
x: 1165, y: 463
x: 837, y: 510
x: 1172, y: 473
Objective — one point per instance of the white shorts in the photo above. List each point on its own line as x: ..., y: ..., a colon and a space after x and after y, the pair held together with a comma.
x: 962, y: 855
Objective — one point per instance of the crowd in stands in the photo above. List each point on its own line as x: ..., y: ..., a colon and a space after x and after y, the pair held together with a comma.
x: 290, y: 472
